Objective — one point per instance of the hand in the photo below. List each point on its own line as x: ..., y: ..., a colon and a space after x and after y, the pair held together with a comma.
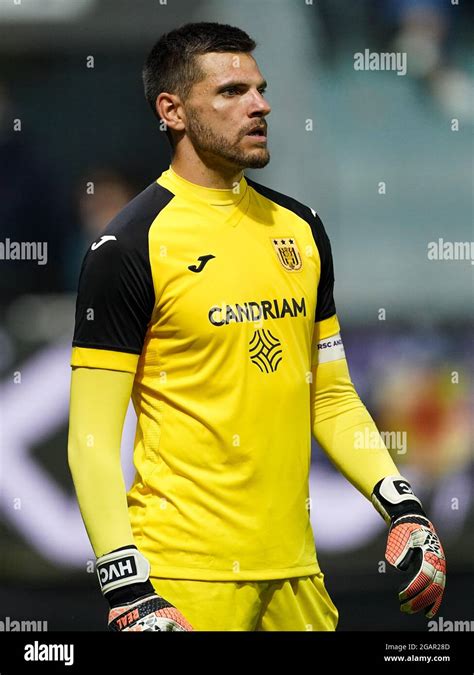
x: 414, y: 545
x: 134, y: 606
x: 151, y: 613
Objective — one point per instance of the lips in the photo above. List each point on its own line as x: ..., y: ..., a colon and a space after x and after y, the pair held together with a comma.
x: 257, y: 131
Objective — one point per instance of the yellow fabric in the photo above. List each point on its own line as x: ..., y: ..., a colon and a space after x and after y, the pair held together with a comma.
x: 339, y: 419
x: 99, y: 401
x: 102, y: 358
x: 213, y: 196
x: 325, y: 329
x: 222, y: 449
x: 299, y: 604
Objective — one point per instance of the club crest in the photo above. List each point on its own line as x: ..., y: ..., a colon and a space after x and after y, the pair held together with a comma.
x: 288, y: 253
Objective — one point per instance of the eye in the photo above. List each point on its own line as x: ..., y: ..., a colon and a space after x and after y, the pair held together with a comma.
x: 230, y: 91
x: 262, y: 90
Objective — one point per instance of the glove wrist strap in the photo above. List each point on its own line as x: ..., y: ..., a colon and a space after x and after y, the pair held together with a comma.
x: 124, y: 575
x: 129, y: 594
x: 393, y: 497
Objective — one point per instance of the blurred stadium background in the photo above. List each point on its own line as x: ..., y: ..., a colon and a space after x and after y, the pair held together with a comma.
x: 336, y: 134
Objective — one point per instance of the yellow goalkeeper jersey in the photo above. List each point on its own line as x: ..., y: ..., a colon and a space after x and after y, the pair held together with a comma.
x: 211, y: 297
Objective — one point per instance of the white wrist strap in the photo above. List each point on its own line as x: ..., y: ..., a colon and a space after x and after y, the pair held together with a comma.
x: 121, y: 568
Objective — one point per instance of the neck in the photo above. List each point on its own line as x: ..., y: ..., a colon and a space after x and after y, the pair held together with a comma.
x: 193, y: 168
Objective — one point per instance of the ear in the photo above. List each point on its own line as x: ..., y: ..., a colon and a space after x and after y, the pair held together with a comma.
x: 171, y: 111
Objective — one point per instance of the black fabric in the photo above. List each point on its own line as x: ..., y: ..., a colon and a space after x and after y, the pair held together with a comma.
x: 128, y: 594
x: 407, y: 506
x: 116, y: 297
x: 325, y: 307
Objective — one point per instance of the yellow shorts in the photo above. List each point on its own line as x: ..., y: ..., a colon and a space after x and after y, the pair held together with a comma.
x: 298, y: 604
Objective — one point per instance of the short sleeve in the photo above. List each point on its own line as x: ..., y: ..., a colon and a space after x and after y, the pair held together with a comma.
x: 114, y: 304
x: 325, y: 305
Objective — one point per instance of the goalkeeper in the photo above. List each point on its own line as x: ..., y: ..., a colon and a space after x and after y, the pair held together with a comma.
x: 209, y: 301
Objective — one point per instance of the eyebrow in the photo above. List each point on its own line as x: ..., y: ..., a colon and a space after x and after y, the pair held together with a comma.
x: 235, y: 83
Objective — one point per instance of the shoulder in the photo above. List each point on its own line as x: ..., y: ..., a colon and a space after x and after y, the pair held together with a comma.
x: 302, y: 210
x: 138, y: 215
x: 126, y: 235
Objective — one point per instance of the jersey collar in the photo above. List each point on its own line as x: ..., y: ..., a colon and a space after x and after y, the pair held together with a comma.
x: 211, y: 196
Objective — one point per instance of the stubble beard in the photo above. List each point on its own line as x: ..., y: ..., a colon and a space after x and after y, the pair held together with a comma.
x: 210, y: 145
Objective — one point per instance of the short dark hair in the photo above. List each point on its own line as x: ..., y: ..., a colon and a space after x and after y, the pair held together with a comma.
x: 171, y: 65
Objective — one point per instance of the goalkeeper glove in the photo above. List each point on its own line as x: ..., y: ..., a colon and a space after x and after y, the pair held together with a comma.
x: 412, y: 545
x: 134, y: 604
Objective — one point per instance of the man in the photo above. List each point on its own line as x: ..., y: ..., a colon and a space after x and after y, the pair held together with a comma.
x: 209, y: 299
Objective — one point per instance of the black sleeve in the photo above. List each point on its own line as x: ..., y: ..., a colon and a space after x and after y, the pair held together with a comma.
x: 325, y: 306
x: 116, y: 297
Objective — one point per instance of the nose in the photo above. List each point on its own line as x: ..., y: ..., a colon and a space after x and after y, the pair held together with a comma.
x: 260, y: 106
